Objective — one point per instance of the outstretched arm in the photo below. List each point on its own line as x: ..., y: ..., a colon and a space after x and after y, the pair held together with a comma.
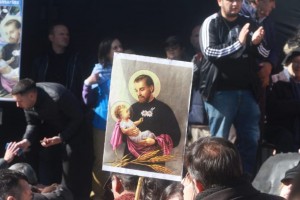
x: 90, y: 95
x: 10, y: 153
x: 138, y: 122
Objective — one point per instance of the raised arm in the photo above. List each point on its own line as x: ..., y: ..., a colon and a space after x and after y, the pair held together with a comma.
x: 89, y: 91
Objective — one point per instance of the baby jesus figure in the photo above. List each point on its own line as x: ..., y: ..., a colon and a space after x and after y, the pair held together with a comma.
x: 122, y: 113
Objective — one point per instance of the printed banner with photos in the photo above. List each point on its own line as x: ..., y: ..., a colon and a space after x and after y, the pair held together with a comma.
x: 147, y: 121
x: 10, y: 45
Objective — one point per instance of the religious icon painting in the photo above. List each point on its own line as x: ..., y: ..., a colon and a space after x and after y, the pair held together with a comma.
x: 10, y: 45
x: 148, y: 111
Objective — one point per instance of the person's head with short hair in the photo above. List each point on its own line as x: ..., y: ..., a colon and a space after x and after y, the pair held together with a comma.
x: 173, y: 192
x: 123, y: 183
x: 152, y: 188
x: 59, y: 36
x: 27, y: 170
x: 230, y: 8
x: 144, y: 87
x: 174, y: 48
x: 14, y: 186
x: 263, y: 7
x: 213, y: 161
x: 106, y: 50
x: 13, y: 30
x: 25, y: 93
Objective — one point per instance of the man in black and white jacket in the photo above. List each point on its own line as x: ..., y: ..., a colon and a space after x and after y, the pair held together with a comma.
x: 230, y: 43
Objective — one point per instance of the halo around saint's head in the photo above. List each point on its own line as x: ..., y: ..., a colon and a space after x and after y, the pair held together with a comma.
x: 154, y: 77
x: 114, y: 106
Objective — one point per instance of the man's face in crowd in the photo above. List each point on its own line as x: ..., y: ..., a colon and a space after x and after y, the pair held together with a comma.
x: 265, y: 7
x: 143, y: 91
x: 25, y: 101
x: 230, y: 8
x: 13, y: 33
x: 60, y: 36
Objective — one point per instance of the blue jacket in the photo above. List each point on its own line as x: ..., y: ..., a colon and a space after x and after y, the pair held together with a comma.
x: 97, y: 95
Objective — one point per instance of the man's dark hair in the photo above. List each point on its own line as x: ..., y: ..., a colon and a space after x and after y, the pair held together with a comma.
x: 128, y: 182
x: 53, y: 25
x: 149, y: 81
x: 153, y: 188
x: 23, y: 87
x: 174, y: 190
x: 27, y: 170
x: 9, y: 183
x: 16, y: 22
x: 213, y: 161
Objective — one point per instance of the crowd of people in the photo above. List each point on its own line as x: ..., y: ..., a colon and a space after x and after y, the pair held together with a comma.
x: 239, y: 84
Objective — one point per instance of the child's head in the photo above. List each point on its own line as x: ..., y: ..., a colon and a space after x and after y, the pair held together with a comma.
x: 122, y: 112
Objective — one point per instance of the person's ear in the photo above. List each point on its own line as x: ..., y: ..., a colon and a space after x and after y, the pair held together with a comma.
x: 119, y: 187
x: 10, y: 198
x: 198, y: 185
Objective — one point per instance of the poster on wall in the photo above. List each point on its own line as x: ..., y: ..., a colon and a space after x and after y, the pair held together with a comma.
x: 147, y: 116
x: 10, y: 45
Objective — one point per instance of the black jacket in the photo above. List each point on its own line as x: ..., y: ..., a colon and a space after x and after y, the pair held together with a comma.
x: 241, y: 191
x: 72, y: 72
x: 282, y: 106
x: 227, y: 64
x: 56, y: 111
x: 283, y: 113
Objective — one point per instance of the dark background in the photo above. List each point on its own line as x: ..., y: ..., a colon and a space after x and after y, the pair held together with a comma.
x: 141, y: 25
